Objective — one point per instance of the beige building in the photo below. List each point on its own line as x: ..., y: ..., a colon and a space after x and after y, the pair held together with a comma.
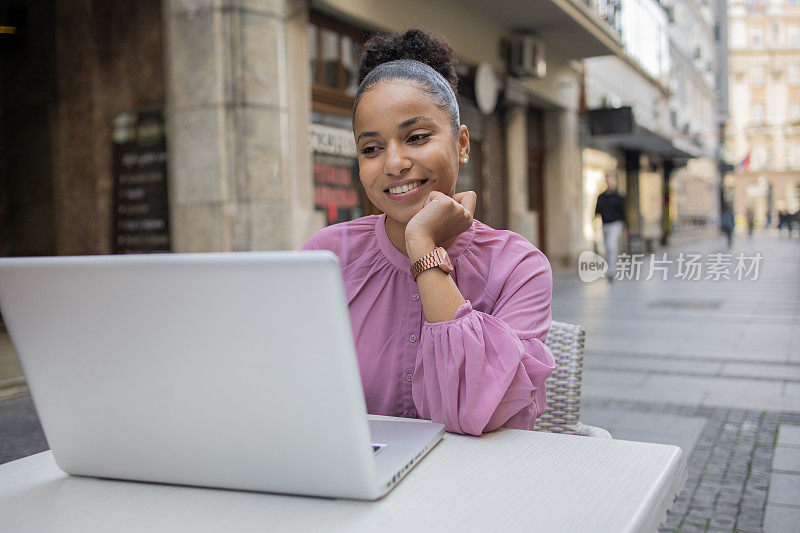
x: 764, y: 129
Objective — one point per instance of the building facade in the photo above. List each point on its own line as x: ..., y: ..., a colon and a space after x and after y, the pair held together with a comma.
x: 224, y: 125
x: 763, y: 134
x: 654, y: 124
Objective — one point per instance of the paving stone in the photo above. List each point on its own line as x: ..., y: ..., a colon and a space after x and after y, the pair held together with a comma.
x: 693, y: 528
x: 784, y: 489
x: 743, y: 465
x: 748, y: 528
x: 787, y: 459
x: 780, y: 519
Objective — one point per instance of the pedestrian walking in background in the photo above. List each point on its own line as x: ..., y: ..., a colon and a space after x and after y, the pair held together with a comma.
x: 782, y: 221
x: 751, y: 223
x: 611, y: 208
x: 727, y: 223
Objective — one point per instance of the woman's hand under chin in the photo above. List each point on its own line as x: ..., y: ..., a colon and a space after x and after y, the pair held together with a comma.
x: 439, y: 222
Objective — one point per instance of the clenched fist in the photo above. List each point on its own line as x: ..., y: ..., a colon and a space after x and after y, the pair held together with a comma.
x: 440, y: 221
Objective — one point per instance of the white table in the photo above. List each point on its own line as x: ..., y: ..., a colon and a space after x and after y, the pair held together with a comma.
x: 505, y: 481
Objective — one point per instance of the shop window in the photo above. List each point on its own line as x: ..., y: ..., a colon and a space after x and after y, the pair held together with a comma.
x: 334, y: 50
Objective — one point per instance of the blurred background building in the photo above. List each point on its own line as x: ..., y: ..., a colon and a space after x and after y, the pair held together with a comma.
x: 764, y: 130
x: 208, y: 125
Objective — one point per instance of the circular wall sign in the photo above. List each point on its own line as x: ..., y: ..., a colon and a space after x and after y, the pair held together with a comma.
x: 486, y: 88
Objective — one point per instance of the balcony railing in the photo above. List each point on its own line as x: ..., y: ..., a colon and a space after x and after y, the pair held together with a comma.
x: 609, y: 12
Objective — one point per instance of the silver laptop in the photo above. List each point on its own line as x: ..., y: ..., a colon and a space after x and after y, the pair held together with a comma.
x: 232, y: 370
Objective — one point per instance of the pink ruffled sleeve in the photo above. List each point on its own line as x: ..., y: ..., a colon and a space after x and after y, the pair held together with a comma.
x: 481, y: 371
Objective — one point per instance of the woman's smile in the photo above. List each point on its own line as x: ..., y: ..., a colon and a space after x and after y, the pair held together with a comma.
x: 405, y: 189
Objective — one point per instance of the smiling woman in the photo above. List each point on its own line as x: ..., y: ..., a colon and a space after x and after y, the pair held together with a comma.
x: 449, y: 316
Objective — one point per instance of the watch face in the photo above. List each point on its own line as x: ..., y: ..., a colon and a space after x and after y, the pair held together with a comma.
x: 445, y: 264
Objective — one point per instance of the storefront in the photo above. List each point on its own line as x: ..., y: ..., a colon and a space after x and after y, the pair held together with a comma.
x: 334, y: 50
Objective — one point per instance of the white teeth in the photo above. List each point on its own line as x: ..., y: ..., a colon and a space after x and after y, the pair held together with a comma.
x: 405, y: 188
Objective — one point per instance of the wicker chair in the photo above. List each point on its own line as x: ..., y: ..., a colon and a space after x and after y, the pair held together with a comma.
x: 564, y: 385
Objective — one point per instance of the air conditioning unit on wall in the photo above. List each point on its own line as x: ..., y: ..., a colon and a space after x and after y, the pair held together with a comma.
x: 526, y: 57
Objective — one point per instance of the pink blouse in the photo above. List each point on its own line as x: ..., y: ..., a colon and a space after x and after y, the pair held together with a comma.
x: 484, y: 369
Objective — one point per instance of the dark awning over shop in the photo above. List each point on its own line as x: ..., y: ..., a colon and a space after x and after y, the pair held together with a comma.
x: 619, y: 127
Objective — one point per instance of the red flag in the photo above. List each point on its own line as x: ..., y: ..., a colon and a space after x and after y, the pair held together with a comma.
x: 745, y: 164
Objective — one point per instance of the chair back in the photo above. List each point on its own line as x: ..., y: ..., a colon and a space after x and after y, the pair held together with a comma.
x: 564, y: 384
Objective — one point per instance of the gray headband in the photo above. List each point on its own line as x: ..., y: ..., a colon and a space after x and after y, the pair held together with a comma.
x: 416, y: 71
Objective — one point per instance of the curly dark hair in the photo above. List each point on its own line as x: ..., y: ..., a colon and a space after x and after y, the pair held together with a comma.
x: 418, y: 44
x: 417, y: 56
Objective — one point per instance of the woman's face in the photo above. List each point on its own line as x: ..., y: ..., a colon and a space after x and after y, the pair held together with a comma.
x: 406, y: 147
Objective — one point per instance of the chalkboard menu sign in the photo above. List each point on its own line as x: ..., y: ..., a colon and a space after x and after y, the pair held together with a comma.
x: 141, y: 222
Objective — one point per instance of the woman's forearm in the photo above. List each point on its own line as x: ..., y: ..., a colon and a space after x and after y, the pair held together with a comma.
x: 438, y: 292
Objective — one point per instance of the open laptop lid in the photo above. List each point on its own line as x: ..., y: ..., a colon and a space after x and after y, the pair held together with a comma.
x: 229, y: 370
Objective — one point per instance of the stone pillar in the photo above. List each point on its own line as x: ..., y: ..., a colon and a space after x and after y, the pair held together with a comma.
x: 632, y: 208
x: 237, y: 112
x: 520, y: 218
x: 563, y: 188
x: 666, y: 222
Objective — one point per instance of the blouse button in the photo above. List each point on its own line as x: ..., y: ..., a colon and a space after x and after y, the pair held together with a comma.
x: 415, y: 296
x: 409, y: 377
x: 412, y: 338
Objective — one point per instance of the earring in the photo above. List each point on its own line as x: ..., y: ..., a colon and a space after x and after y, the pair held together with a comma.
x: 464, y: 161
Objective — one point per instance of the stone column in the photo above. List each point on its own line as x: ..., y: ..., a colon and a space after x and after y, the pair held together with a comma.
x: 237, y: 112
x: 632, y: 208
x: 520, y: 218
x: 563, y: 188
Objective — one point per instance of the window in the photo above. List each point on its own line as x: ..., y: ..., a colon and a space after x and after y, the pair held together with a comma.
x: 793, y: 34
x: 757, y: 76
x: 793, y: 75
x: 794, y: 111
x: 333, y: 61
x: 757, y: 113
x: 755, y: 35
x: 793, y: 3
x: 793, y: 156
x: 760, y: 156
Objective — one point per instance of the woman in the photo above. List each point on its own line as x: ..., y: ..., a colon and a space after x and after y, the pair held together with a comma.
x: 460, y: 340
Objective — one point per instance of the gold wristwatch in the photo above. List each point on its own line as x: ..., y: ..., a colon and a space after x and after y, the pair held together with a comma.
x: 437, y: 258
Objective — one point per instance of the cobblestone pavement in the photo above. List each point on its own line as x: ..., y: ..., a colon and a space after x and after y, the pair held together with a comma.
x: 729, y: 468
x: 711, y: 366
x: 21, y: 432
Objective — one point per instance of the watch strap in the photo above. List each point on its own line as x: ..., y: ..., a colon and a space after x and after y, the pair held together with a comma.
x: 435, y: 258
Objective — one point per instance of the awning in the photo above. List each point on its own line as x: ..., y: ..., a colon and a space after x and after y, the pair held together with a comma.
x: 618, y: 126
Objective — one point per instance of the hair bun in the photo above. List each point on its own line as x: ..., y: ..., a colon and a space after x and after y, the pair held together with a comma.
x: 416, y: 43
